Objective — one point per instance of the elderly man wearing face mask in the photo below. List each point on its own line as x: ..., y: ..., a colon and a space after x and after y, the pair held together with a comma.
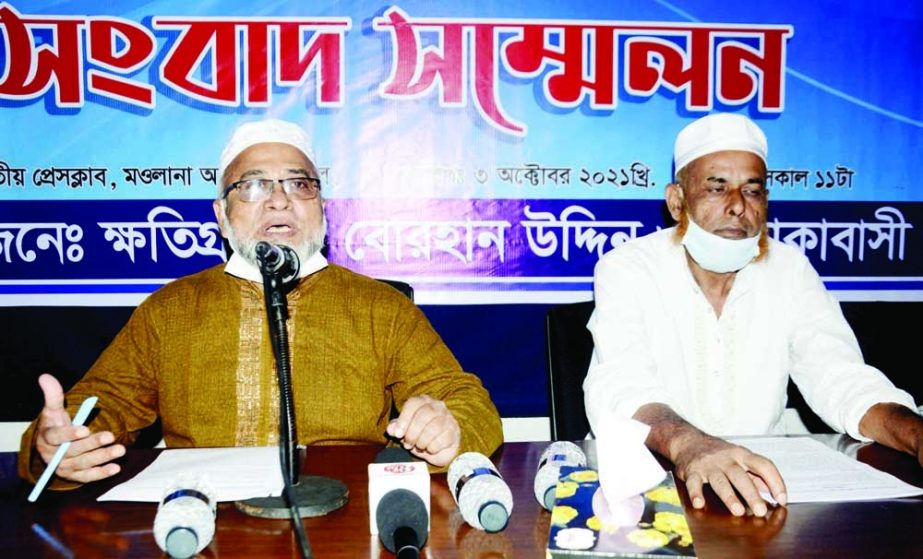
x: 197, y: 352
x: 697, y: 329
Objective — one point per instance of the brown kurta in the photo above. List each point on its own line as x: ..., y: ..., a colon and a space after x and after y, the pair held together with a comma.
x: 197, y: 354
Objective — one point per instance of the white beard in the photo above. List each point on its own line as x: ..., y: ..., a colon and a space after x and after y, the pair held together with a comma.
x: 246, y: 248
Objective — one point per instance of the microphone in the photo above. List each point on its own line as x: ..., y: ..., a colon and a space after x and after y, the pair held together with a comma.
x: 399, y: 502
x: 555, y: 455
x: 185, y: 520
x: 277, y: 259
x: 482, y: 496
x: 403, y: 523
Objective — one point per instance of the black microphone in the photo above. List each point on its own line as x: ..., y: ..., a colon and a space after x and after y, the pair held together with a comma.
x: 398, y: 501
x: 403, y: 523
x: 277, y: 259
x: 394, y: 455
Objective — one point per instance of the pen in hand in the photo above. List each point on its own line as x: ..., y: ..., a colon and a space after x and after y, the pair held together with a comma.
x: 81, y: 416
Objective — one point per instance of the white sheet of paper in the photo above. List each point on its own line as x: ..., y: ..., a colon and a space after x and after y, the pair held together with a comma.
x: 814, y: 472
x: 626, y: 466
x: 234, y: 473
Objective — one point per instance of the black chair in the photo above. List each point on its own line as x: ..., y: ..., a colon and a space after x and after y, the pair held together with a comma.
x: 401, y: 286
x: 884, y: 344
x: 25, y: 351
x: 569, y: 347
x: 407, y: 290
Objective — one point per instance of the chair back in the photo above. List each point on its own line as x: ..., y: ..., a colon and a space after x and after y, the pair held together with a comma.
x: 886, y: 342
x: 401, y: 286
x: 883, y: 342
x: 569, y: 347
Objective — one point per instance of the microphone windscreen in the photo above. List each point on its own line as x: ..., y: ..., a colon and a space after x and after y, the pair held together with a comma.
x: 392, y: 470
x: 398, y: 509
x: 394, y: 455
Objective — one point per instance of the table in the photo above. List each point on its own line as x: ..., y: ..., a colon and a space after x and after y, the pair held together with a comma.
x: 75, y: 525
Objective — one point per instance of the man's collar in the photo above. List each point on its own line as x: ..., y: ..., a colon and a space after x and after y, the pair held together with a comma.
x: 240, y: 268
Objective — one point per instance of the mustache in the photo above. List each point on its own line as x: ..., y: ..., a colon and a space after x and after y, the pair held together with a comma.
x: 246, y: 247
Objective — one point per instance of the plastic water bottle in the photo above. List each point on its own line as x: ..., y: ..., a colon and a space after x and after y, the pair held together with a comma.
x: 185, y: 521
x: 557, y: 454
x: 484, y: 499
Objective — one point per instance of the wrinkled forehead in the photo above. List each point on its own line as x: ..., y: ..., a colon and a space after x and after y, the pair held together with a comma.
x: 727, y: 164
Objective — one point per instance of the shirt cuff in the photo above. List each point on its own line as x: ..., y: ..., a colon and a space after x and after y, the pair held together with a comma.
x: 861, y: 406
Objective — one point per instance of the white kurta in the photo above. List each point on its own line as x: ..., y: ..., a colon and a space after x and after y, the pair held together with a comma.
x: 657, y: 339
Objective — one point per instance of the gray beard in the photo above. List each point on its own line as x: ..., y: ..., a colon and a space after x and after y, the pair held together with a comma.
x: 246, y: 248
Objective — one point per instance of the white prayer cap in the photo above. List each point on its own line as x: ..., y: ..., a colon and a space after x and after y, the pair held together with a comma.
x: 718, y: 132
x: 261, y: 132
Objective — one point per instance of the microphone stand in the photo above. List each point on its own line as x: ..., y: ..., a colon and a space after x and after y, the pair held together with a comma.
x: 275, y: 292
x: 303, y: 496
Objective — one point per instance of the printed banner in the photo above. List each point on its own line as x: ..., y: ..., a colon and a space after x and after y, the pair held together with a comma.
x: 485, y: 152
x: 446, y: 248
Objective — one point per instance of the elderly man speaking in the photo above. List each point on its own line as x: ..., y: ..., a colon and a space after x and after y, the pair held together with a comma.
x: 197, y: 352
x: 698, y: 327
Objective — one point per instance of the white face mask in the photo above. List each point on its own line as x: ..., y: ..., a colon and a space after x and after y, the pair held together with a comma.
x: 717, y: 254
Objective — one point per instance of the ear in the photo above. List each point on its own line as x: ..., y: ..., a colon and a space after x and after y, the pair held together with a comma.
x: 221, y: 217
x: 675, y: 200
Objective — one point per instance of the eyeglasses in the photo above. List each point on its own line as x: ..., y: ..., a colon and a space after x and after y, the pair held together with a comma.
x: 256, y: 190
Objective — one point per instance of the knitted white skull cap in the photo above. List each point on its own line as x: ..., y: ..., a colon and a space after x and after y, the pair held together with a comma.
x: 718, y: 132
x: 261, y: 132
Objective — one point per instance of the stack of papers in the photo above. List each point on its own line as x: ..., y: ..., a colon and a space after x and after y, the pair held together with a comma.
x: 814, y: 472
x: 234, y: 473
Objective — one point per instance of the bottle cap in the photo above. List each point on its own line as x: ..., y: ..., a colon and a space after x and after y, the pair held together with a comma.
x: 550, y: 497
x: 181, y: 543
x: 493, y: 516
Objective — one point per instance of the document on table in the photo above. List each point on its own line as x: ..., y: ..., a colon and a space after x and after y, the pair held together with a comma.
x: 814, y: 472
x: 234, y: 473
